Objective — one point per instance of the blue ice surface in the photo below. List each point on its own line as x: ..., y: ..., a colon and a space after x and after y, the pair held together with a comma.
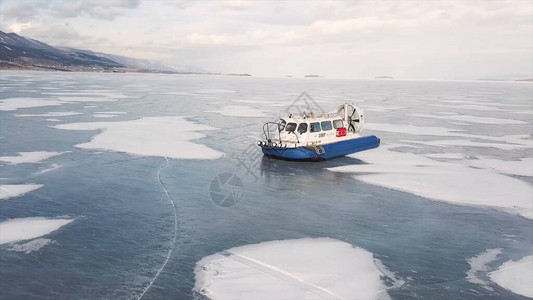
x: 123, y: 224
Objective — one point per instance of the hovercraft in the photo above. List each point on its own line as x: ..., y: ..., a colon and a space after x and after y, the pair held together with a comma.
x: 317, y: 137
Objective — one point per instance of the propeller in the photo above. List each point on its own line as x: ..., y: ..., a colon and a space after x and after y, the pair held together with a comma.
x: 352, y: 121
x: 352, y: 116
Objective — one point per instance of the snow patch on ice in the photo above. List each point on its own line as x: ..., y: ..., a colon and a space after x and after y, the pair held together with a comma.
x: 450, y: 182
x: 28, y: 157
x: 459, y: 123
x: 520, y: 139
x: 11, y: 104
x: 28, y: 228
x: 104, y: 116
x: 148, y: 136
x: 291, y: 269
x: 446, y: 155
x: 522, y: 167
x: 111, y: 112
x: 31, y: 246
x: 523, y: 112
x: 50, y: 114
x: 239, y: 111
x: 15, y: 190
x: 471, y: 119
x: 479, y: 264
x: 516, y: 276
x: 53, y: 167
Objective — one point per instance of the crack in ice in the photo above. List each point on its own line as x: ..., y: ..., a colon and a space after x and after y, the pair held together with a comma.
x: 169, y: 254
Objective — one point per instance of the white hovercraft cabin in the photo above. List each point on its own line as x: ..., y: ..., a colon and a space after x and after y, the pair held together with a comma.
x: 311, y: 136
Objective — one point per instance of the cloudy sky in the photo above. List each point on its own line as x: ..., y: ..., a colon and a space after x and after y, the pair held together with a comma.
x: 337, y: 39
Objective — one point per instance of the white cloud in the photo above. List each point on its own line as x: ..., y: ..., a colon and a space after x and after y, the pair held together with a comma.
x: 19, y: 27
x: 399, y: 38
x: 98, y: 9
x: 236, y: 4
x: 19, y: 11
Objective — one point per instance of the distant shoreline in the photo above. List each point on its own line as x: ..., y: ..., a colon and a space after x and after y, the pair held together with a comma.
x: 34, y: 67
x: 8, y: 66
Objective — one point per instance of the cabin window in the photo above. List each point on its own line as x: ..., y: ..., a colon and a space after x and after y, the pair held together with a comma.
x: 291, y: 127
x: 326, y: 125
x: 302, y: 128
x: 315, y: 127
x: 337, y: 124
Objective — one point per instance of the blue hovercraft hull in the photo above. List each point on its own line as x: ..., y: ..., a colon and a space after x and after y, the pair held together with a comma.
x: 332, y: 150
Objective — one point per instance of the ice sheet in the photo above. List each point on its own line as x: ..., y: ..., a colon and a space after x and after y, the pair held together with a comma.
x: 86, y: 93
x: 479, y: 264
x: 450, y: 182
x: 414, y: 130
x: 471, y: 119
x: 253, y: 100
x: 306, y: 268
x: 51, y: 114
x: 467, y: 143
x: 385, y: 108
x: 521, y: 139
x: 16, y: 103
x: 28, y: 228
x: 30, y: 246
x: 240, y: 111
x: 15, y: 190
x: 86, y: 99
x: 28, y: 157
x: 516, y: 276
x: 149, y: 136
x: 485, y: 103
x: 468, y: 107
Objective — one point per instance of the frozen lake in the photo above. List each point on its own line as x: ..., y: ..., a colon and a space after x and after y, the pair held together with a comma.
x: 106, y: 180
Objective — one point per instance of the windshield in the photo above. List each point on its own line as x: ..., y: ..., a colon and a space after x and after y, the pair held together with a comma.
x: 291, y: 127
x: 315, y: 127
x: 302, y: 128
